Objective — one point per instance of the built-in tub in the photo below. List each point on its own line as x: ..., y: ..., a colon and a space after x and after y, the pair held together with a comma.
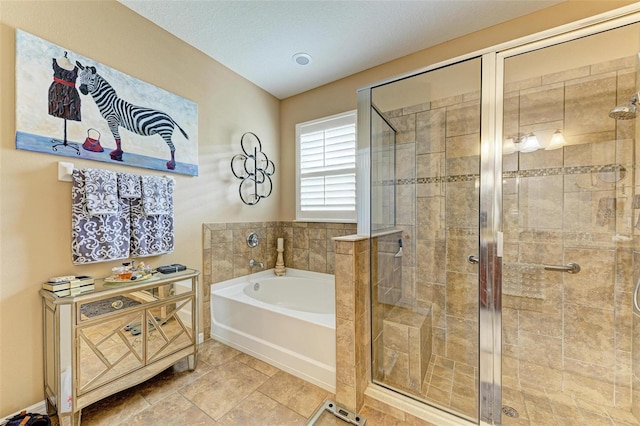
x: 287, y: 321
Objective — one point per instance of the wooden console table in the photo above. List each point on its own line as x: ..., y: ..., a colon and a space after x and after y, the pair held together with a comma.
x: 114, y: 337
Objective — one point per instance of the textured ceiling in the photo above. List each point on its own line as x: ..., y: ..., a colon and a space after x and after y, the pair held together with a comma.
x: 257, y: 39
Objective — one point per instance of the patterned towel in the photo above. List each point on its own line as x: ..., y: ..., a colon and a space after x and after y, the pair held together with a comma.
x: 129, y: 185
x: 96, y: 238
x: 101, y: 191
x: 152, y: 233
x: 155, y: 195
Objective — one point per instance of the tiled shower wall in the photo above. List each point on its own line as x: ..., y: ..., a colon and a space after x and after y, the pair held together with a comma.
x: 571, y: 205
x: 386, y: 290
x: 560, y: 331
x: 307, y: 246
x: 437, y: 164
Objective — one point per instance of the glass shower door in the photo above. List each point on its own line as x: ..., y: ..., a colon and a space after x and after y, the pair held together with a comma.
x: 425, y: 225
x: 570, y: 213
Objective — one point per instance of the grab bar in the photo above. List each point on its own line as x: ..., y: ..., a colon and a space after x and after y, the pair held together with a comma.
x: 572, y: 268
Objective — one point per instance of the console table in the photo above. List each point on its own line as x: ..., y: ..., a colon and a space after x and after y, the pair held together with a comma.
x: 116, y: 336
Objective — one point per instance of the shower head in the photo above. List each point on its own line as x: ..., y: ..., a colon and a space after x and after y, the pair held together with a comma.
x: 625, y: 112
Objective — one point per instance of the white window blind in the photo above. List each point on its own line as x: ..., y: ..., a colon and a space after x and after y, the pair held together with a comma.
x: 327, y: 168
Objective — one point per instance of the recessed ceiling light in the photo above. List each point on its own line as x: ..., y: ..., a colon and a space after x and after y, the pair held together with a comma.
x: 302, y: 59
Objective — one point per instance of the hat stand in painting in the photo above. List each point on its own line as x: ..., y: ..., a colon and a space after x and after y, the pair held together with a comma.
x: 69, y: 105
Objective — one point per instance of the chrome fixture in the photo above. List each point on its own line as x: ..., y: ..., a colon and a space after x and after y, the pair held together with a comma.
x: 253, y: 240
x: 253, y: 263
x: 472, y: 259
x: 625, y: 112
x: 399, y: 253
x: 572, y: 268
x: 635, y: 296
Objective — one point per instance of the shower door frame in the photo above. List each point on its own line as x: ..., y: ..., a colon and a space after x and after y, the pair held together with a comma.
x: 572, y: 34
x: 490, y: 208
x: 490, y: 191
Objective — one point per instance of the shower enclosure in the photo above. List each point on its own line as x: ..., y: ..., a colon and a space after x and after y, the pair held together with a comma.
x: 505, y: 222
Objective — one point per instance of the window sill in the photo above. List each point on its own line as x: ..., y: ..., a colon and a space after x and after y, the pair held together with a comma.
x: 326, y: 220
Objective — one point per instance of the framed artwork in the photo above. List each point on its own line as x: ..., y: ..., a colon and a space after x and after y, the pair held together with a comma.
x: 70, y: 105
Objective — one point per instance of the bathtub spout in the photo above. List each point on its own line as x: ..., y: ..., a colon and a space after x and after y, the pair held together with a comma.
x: 253, y: 263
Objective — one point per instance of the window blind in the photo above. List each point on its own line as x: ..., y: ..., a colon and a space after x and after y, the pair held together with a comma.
x: 327, y: 168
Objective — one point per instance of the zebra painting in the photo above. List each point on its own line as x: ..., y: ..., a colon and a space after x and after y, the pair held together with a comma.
x: 119, y: 113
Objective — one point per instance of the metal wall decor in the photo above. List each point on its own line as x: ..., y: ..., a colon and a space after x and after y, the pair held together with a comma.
x: 254, y: 168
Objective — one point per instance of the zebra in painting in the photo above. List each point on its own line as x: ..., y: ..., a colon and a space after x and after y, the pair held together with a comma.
x: 120, y: 113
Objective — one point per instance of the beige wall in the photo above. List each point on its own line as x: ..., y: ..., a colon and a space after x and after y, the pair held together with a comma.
x: 35, y: 207
x: 35, y: 216
x: 340, y: 96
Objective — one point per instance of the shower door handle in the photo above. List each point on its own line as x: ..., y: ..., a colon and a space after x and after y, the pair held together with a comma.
x: 635, y: 296
x: 572, y: 268
x: 472, y: 259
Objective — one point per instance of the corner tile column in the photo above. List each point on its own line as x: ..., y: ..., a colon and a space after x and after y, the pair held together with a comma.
x: 353, y: 336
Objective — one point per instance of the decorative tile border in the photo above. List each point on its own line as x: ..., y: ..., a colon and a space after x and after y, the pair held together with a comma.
x: 552, y: 171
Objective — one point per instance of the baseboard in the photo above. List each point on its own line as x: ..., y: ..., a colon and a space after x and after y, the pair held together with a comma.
x: 39, y: 408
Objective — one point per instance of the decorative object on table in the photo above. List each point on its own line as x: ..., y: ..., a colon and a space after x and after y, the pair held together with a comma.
x: 280, y: 269
x: 162, y: 132
x: 118, y: 277
x: 129, y: 272
x: 70, y: 284
x: 254, y: 168
x: 170, y: 269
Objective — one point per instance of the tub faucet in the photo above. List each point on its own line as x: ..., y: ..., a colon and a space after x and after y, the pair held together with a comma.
x: 253, y: 263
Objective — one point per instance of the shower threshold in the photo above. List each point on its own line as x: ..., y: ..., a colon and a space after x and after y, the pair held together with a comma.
x: 330, y: 410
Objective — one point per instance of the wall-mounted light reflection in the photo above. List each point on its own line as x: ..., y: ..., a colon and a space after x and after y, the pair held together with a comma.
x: 557, y: 141
x: 529, y: 142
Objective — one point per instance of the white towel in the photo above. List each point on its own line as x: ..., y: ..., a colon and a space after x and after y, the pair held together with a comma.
x: 157, y: 195
x: 101, y: 191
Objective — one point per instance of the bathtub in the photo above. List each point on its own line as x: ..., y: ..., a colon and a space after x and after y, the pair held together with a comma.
x: 288, y: 321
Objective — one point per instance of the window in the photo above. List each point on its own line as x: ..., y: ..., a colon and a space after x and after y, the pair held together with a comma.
x: 326, y: 168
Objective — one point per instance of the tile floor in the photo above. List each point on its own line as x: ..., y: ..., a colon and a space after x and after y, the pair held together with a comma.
x: 228, y: 387
x: 232, y: 388
x: 453, y: 384
x: 543, y: 407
